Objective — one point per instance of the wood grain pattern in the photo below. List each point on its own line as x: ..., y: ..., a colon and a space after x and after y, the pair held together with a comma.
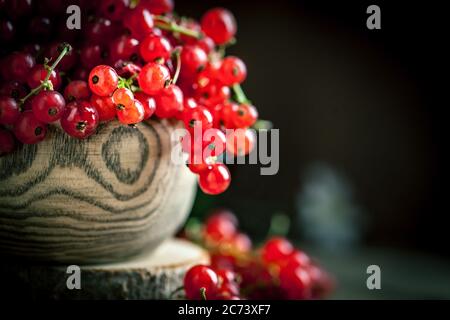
x: 154, y: 276
x: 102, y: 199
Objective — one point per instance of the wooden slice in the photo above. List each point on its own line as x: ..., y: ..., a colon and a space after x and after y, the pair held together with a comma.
x: 149, y: 276
x: 97, y: 200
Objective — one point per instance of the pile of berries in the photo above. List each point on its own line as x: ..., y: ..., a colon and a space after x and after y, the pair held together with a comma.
x: 130, y: 60
x: 276, y: 270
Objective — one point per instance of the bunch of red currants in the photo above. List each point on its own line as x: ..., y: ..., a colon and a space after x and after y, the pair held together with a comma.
x: 129, y: 61
x: 276, y: 270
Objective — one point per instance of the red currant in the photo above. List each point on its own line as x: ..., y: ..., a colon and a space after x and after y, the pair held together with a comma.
x: 241, y: 142
x: 212, y: 94
x: 214, y: 142
x: 77, y: 90
x: 232, y: 71
x: 7, y: 143
x: 99, y: 31
x: 20, y: 65
x: 219, y: 24
x: 219, y: 227
x: 103, y: 80
x: 206, y: 43
x: 215, y: 179
x: 39, y: 73
x: 123, y: 48
x: 28, y: 129
x: 148, y: 103
x: 169, y: 101
x: 131, y: 114
x: 105, y: 107
x: 199, y: 277
x: 80, y: 119
x: 9, y: 110
x: 276, y: 249
x: 92, y: 55
x: 296, y: 282
x: 139, y: 21
x: 198, y: 117
x: 13, y: 89
x: 240, y: 242
x: 114, y: 9
x: 48, y: 106
x: 153, y: 78
x: 154, y: 47
x: 123, y: 97
x: 244, y: 116
x: 158, y: 7
x: 193, y: 60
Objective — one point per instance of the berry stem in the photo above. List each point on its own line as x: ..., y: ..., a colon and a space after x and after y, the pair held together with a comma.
x: 239, y: 94
x: 203, y: 293
x: 46, y: 83
x: 177, y: 53
x: 170, y: 25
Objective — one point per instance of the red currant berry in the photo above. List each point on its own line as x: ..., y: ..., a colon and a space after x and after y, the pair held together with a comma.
x: 99, y: 31
x: 148, y: 103
x: 214, y: 142
x: 114, y: 9
x: 39, y: 73
x: 7, y: 143
x: 20, y: 65
x: 28, y: 129
x: 158, y: 7
x: 153, y: 78
x: 200, y: 278
x: 139, y: 21
x: 244, y: 116
x: 131, y: 114
x: 276, y: 249
x: 212, y: 94
x: 240, y: 243
x: 9, y: 110
x: 103, y: 80
x: 240, y: 142
x: 7, y: 30
x: 232, y: 71
x: 123, y: 48
x: 92, y: 55
x: 206, y: 43
x: 169, y: 101
x: 81, y: 74
x: 197, y: 168
x: 219, y: 24
x: 219, y: 227
x: 154, y: 47
x: 80, y: 119
x: 123, y: 97
x: 105, y: 107
x: 126, y: 69
x: 215, y: 179
x: 13, y: 89
x: 77, y: 90
x: 48, y: 106
x: 198, y: 117
x: 193, y: 60
x: 296, y: 282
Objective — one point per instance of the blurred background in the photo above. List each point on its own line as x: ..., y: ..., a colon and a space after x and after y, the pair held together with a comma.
x: 362, y: 175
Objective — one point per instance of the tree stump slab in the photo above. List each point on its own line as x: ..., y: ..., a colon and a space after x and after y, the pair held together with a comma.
x: 151, y: 276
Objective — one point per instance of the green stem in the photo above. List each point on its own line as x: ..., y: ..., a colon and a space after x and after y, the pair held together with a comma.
x: 169, y: 25
x: 239, y: 93
x: 203, y: 293
x: 177, y: 70
x: 46, y: 83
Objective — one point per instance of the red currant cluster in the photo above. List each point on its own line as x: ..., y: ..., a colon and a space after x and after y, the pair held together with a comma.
x: 130, y: 60
x: 276, y: 270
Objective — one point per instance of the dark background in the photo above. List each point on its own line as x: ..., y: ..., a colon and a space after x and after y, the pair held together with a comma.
x: 370, y: 104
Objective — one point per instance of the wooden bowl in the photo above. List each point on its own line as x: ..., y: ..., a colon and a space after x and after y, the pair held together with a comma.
x: 103, y: 199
